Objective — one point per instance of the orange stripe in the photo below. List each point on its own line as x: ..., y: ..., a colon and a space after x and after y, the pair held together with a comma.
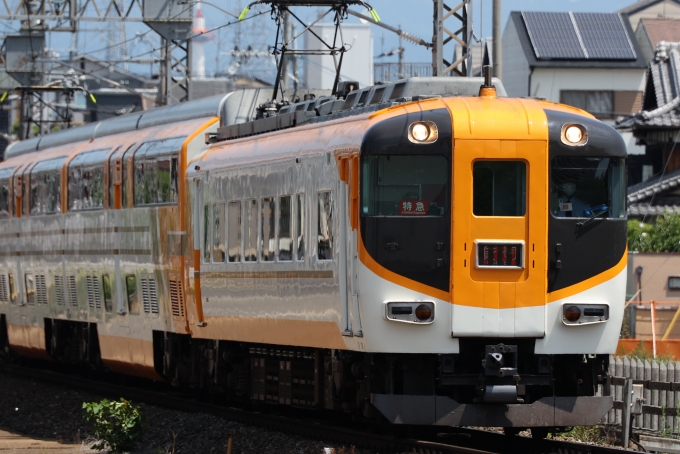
x: 197, y: 284
x: 183, y: 162
x: 591, y: 282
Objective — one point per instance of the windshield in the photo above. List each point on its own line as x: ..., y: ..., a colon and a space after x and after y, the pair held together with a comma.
x: 585, y: 187
x: 412, y: 185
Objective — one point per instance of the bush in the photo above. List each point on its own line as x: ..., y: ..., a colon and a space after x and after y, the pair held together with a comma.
x: 117, y: 425
x: 661, y: 236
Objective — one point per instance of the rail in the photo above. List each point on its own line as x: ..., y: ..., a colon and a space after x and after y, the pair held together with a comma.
x: 433, y: 440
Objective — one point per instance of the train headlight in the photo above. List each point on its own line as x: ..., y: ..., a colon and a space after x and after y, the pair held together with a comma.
x: 572, y: 313
x: 423, y: 132
x: 574, y: 135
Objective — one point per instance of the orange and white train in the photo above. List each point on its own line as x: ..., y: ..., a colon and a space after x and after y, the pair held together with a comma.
x: 427, y: 251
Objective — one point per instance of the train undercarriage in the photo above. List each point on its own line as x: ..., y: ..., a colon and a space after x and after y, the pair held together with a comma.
x: 499, y: 383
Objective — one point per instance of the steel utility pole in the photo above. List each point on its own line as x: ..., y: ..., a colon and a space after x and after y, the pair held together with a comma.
x: 459, y: 19
x: 497, y: 48
x: 171, y: 19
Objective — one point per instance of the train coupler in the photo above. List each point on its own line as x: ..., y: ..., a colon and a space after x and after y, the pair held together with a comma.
x: 500, y: 381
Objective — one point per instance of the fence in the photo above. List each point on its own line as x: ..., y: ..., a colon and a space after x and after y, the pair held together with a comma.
x: 389, y: 72
x: 660, y: 407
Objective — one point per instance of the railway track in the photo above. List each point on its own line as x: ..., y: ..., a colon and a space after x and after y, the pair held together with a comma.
x: 428, y: 440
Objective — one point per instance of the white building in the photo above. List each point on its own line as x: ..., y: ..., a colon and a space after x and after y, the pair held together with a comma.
x: 587, y: 60
x: 357, y: 63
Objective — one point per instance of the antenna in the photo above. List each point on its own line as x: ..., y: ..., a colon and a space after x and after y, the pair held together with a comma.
x: 284, y: 39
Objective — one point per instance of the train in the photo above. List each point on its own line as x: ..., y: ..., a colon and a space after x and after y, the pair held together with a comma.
x: 425, y: 252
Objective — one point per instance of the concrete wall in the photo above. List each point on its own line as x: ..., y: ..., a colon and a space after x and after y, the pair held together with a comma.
x: 515, y: 65
x: 547, y: 82
x: 656, y: 268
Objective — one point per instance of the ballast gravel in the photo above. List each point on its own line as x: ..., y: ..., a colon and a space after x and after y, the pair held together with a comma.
x: 41, y: 410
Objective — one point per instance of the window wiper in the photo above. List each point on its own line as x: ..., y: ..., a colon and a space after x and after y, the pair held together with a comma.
x: 584, y: 222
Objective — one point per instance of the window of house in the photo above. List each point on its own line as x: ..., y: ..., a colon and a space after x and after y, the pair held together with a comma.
x: 325, y: 226
x: 268, y: 239
x: 5, y: 176
x: 250, y: 249
x: 45, y: 187
x: 156, y: 172
x: 499, y: 188
x: 219, y: 248
x: 234, y: 231
x: 597, y: 102
x: 300, y: 226
x: 285, y: 228
x: 674, y: 282
x: 86, y: 181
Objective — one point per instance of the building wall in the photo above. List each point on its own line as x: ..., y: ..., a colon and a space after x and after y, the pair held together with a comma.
x: 515, y: 65
x: 645, y: 45
x: 666, y: 9
x: 548, y: 82
x: 657, y: 267
x: 357, y: 63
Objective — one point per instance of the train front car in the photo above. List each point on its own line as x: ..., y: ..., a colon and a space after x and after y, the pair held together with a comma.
x: 492, y: 254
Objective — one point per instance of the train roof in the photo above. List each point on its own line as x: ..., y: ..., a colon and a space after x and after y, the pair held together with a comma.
x: 239, y: 105
x: 238, y: 109
x: 368, y: 99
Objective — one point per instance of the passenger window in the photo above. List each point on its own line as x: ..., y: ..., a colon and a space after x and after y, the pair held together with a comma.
x: 268, y: 239
x: 219, y: 250
x: 250, y: 254
x: 285, y: 228
x: 234, y: 232
x: 206, y: 234
x: 156, y: 172
x: 131, y: 286
x: 30, y: 288
x: 86, y: 181
x: 325, y: 226
x: 106, y: 290
x: 13, y: 294
x: 5, y: 175
x: 404, y: 185
x: 300, y: 226
x: 46, y: 187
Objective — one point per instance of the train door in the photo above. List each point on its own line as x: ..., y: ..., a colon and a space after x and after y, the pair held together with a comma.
x: 117, y: 201
x: 499, y: 238
x: 347, y: 209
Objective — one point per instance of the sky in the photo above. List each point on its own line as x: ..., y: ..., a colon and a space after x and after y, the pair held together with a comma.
x: 415, y: 16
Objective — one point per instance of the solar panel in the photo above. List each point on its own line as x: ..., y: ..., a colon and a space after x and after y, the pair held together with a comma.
x: 578, y: 36
x: 553, y: 35
x: 604, y: 36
